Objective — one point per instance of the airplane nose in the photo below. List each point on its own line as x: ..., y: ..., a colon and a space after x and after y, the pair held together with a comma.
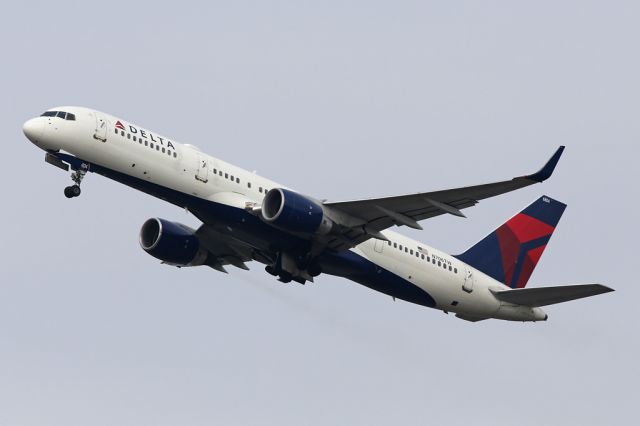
x: 33, y: 129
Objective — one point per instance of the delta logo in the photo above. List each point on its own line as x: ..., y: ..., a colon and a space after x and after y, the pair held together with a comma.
x: 144, y: 134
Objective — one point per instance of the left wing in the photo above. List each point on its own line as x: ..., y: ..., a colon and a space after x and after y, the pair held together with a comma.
x: 223, y: 249
x: 369, y: 217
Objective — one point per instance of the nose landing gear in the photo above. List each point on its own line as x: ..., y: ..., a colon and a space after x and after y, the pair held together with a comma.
x: 77, y: 176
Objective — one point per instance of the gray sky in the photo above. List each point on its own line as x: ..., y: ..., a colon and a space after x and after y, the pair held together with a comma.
x: 340, y: 100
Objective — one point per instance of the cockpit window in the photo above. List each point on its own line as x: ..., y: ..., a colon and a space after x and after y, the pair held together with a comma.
x: 60, y: 114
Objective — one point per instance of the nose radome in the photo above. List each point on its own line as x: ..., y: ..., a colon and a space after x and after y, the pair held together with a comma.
x: 33, y: 129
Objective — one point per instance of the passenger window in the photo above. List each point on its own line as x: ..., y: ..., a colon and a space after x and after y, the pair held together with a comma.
x: 433, y: 260
x: 439, y: 263
x: 449, y: 267
x: 422, y: 256
x: 175, y: 155
x: 215, y: 171
x: 163, y: 150
x: 411, y: 251
x: 128, y: 135
x: 146, y: 143
x: 400, y: 247
x: 232, y: 179
x: 116, y: 131
x: 417, y: 255
x: 151, y: 145
x: 260, y: 190
x: 134, y: 138
x: 226, y: 175
x: 157, y: 147
x: 121, y: 132
x: 248, y: 184
x: 428, y: 259
x: 237, y: 180
x: 455, y: 270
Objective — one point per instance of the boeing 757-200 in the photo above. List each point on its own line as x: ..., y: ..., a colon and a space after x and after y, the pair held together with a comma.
x: 246, y: 217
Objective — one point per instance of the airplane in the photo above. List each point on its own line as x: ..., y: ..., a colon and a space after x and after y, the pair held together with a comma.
x: 246, y: 217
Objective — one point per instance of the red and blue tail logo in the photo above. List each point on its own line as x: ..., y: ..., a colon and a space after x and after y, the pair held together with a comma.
x: 511, y: 252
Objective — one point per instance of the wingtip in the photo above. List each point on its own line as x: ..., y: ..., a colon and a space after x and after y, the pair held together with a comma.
x: 547, y: 170
x: 606, y: 289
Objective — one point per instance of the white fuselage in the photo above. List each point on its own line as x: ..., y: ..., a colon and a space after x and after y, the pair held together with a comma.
x: 108, y: 141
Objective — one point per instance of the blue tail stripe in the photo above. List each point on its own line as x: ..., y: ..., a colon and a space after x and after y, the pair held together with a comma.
x: 524, y: 248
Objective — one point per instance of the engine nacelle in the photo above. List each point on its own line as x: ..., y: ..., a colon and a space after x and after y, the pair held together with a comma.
x: 172, y: 243
x: 294, y: 212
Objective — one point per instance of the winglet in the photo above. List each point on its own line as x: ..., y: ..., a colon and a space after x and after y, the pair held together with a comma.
x: 545, y: 172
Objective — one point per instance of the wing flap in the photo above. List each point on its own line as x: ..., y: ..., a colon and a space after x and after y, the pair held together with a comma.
x: 542, y: 296
x: 223, y: 249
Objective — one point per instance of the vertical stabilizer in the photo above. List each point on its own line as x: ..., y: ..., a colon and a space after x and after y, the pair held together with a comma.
x: 510, y: 253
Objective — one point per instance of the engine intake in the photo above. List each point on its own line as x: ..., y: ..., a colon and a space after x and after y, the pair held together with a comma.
x: 172, y: 243
x: 294, y: 212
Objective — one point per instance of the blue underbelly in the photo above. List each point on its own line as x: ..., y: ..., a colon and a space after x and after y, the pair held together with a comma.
x: 248, y: 228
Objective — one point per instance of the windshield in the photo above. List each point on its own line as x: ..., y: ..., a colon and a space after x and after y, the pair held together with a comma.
x: 60, y: 114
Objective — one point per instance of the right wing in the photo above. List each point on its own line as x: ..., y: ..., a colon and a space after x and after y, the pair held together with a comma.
x: 542, y: 296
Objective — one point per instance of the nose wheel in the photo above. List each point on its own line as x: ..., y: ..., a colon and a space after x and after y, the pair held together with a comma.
x: 74, y: 190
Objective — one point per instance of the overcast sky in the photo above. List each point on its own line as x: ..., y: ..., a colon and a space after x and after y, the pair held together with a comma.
x: 339, y: 100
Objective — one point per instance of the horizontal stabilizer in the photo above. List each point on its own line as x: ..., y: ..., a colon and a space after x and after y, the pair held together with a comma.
x: 542, y: 296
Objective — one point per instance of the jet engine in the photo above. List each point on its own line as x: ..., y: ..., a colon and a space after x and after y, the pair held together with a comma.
x: 171, y: 242
x: 293, y: 212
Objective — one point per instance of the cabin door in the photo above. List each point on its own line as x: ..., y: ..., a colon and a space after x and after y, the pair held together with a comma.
x: 202, y: 172
x: 101, y: 128
x: 468, y: 281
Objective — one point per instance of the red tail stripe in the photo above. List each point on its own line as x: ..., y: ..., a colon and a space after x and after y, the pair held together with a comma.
x: 527, y: 228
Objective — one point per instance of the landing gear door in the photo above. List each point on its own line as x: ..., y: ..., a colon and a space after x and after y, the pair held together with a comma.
x: 101, y: 128
x: 468, y: 281
x: 202, y: 172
